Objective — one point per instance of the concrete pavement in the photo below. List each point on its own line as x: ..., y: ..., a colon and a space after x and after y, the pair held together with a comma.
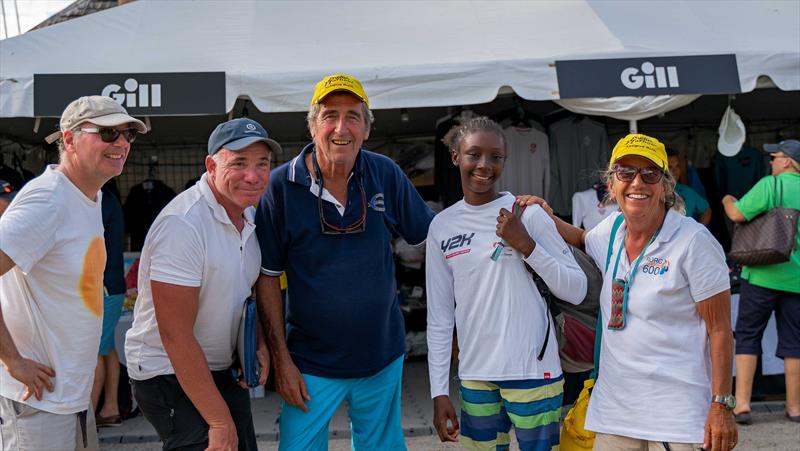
x: 770, y: 431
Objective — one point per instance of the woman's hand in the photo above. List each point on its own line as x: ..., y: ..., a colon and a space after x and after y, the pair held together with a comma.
x: 528, y: 199
x: 510, y: 228
x: 720, y: 430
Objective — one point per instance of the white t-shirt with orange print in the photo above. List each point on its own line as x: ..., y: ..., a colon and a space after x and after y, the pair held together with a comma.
x: 52, y: 300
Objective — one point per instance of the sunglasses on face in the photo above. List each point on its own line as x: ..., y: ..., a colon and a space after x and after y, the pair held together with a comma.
x: 628, y: 173
x: 110, y: 135
x: 331, y: 229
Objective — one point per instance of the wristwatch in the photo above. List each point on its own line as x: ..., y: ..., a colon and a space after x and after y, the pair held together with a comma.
x: 729, y: 401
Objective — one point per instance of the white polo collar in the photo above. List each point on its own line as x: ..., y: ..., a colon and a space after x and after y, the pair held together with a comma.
x: 218, y: 211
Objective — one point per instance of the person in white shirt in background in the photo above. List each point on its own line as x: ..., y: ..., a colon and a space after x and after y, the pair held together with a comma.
x: 494, y: 304
x: 52, y: 256
x: 590, y: 207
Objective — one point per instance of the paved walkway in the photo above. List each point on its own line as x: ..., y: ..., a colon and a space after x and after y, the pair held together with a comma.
x: 770, y: 431
x: 417, y: 414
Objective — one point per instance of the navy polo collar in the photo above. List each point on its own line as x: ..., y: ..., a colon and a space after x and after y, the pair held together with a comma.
x: 298, y: 172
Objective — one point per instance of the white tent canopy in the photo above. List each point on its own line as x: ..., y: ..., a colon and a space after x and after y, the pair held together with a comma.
x: 407, y: 54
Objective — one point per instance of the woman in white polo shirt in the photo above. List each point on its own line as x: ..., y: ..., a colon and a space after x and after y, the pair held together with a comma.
x: 666, y: 354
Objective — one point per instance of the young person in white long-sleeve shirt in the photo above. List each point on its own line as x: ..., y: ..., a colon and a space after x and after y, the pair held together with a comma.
x: 494, y: 304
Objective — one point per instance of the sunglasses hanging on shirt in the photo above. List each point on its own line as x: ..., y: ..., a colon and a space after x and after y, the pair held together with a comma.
x: 331, y: 229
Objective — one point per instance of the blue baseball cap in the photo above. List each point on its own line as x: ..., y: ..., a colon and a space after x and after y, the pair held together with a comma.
x: 791, y: 147
x: 237, y: 134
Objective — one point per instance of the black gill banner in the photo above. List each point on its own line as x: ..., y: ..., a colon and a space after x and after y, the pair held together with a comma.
x: 151, y: 94
x: 697, y: 74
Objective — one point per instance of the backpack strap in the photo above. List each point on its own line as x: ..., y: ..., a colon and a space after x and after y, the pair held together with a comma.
x: 598, y: 331
x: 546, y: 298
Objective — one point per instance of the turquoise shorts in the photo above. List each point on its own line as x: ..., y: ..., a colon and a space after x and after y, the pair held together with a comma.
x: 112, y: 309
x: 373, y: 406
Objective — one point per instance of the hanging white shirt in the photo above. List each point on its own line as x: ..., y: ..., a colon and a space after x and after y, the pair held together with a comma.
x: 587, y: 211
x: 528, y: 162
x: 494, y: 305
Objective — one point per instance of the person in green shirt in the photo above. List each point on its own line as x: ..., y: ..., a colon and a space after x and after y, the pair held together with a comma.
x: 695, y: 205
x: 768, y: 288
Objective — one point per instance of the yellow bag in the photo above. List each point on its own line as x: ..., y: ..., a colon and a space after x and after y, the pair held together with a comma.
x: 573, y: 436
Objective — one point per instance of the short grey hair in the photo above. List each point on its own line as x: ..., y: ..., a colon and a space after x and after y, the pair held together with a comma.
x: 313, y: 112
x: 62, y: 148
x: 671, y: 198
x: 795, y: 163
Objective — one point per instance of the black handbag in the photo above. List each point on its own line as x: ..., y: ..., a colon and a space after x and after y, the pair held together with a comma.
x: 767, y: 239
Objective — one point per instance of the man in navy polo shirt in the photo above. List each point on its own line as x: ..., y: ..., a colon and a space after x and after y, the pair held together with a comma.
x: 327, y: 220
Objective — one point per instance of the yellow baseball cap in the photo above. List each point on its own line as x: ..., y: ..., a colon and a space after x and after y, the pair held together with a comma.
x: 338, y: 82
x: 643, y: 146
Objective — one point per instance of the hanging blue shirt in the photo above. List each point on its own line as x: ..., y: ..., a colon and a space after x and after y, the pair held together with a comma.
x: 343, y: 317
x: 695, y: 204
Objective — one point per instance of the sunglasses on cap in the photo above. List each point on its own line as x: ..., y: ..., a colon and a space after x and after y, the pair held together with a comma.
x: 110, y: 135
x: 628, y: 173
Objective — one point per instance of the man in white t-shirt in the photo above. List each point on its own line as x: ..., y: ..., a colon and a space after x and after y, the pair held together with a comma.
x: 199, y: 263
x: 52, y: 256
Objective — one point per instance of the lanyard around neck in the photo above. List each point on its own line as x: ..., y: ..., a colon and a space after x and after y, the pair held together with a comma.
x: 635, y: 266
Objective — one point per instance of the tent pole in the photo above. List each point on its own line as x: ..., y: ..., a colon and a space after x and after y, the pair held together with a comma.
x: 3, y: 12
x: 16, y: 11
x: 632, y: 126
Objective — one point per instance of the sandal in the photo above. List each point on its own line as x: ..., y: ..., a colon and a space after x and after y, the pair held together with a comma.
x: 105, y: 422
x: 743, y: 418
x: 793, y: 418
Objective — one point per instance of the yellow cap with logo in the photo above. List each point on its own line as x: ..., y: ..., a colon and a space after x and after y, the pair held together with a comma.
x: 338, y: 82
x: 643, y: 146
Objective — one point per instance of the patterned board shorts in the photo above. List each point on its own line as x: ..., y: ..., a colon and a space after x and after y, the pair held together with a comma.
x: 489, y: 409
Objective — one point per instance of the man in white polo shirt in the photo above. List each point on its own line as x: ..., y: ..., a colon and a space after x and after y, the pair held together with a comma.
x: 52, y: 256
x: 198, y: 265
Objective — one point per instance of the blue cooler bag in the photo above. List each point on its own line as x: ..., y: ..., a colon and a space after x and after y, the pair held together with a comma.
x: 247, y: 345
